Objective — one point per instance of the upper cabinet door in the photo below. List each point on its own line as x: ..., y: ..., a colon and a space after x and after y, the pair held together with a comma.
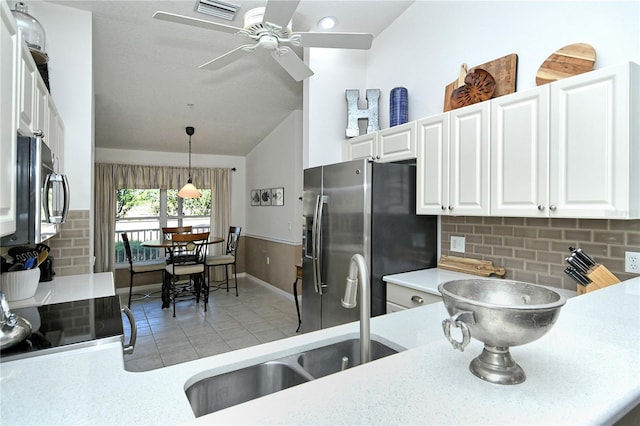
x: 432, y: 173
x: 41, y: 122
x: 469, y: 161
x: 397, y: 143
x: 9, y: 47
x: 593, y: 144
x: 28, y: 74
x: 520, y: 153
x: 361, y: 147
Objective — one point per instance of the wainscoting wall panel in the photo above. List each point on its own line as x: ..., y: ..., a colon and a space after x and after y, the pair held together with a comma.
x: 280, y: 271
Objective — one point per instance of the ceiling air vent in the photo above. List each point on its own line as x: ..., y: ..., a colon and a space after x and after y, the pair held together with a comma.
x: 217, y: 8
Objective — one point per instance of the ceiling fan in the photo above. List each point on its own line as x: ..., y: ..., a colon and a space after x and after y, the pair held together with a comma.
x: 270, y: 28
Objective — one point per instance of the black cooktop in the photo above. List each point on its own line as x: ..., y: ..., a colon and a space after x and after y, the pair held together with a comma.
x: 63, y: 326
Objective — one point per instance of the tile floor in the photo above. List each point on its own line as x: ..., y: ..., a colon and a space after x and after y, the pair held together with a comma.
x: 257, y: 315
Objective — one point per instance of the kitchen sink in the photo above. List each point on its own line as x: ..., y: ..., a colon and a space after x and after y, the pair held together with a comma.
x: 235, y: 387
x: 336, y: 357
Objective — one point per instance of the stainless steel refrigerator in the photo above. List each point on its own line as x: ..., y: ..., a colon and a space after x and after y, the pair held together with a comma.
x: 359, y: 207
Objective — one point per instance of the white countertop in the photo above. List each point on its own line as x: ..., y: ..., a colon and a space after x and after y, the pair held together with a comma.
x: 427, y: 280
x: 571, y: 378
x: 68, y: 288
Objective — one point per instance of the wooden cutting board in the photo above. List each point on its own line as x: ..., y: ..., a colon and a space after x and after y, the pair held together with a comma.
x: 483, y: 268
x: 568, y: 61
x: 503, y: 70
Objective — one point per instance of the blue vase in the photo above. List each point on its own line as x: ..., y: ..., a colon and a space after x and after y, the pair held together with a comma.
x: 398, y: 106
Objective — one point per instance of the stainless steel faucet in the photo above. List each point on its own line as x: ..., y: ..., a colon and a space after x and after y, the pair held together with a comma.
x: 359, y: 274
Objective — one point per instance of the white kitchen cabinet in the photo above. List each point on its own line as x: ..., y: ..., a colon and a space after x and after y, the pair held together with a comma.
x: 9, y: 77
x: 462, y: 187
x: 469, y: 161
x: 594, y: 144
x: 41, y: 122
x: 28, y: 73
x: 520, y: 154
x: 400, y: 298
x: 393, y: 144
x: 397, y: 143
x: 432, y: 165
x: 363, y: 146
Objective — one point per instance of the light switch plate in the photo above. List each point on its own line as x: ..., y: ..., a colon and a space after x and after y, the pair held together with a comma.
x: 457, y: 244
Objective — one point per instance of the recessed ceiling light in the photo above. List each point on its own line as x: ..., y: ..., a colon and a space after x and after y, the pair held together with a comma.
x: 327, y: 22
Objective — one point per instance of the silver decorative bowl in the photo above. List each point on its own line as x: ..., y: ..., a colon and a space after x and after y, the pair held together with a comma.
x: 501, y: 314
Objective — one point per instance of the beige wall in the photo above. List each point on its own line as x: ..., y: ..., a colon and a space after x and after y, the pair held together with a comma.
x: 281, y: 270
x: 533, y: 249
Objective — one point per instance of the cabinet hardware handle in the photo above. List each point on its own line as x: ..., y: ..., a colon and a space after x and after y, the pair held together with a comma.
x: 541, y: 207
x: 443, y: 207
x: 450, y: 207
x: 417, y: 299
x: 552, y: 208
x: 377, y: 157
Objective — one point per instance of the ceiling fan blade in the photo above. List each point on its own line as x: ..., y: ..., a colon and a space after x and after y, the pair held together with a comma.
x: 227, y: 58
x: 292, y: 63
x: 195, y: 22
x: 336, y: 40
x: 280, y: 12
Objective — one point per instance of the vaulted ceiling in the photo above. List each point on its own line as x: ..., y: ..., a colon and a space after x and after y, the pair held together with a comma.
x: 148, y: 86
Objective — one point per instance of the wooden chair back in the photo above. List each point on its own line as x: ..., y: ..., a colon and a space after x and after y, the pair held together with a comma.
x: 168, y: 231
x: 189, y: 248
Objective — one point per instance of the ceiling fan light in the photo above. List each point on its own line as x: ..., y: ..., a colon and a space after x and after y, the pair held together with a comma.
x: 327, y: 23
x: 189, y: 191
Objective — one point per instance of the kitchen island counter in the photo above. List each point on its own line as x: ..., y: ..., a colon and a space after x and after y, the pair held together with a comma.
x: 584, y: 370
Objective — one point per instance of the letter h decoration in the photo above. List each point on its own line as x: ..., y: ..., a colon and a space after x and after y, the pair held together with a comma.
x: 354, y: 113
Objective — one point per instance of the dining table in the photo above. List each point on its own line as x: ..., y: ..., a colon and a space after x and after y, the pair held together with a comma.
x: 168, y: 243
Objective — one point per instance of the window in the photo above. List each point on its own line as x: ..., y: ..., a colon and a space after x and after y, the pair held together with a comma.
x: 141, y: 213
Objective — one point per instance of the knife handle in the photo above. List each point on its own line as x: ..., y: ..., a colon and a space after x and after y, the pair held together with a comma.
x: 579, y: 277
x: 576, y: 264
x: 581, y: 263
x: 583, y: 257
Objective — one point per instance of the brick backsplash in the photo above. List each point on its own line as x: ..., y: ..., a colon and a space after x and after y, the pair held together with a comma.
x: 533, y: 249
x: 70, y: 248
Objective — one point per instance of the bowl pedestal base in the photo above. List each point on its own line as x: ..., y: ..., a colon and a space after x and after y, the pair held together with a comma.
x: 496, y: 365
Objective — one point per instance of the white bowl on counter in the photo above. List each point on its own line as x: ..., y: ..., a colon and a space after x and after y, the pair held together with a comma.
x: 19, y: 285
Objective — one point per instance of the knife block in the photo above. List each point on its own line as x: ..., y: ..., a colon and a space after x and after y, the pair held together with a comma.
x: 600, y: 277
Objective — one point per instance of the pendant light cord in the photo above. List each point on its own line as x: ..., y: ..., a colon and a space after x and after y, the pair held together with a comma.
x: 189, y: 158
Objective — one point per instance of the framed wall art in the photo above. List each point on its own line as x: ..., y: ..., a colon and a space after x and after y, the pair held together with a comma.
x: 277, y: 196
x: 255, y: 197
x: 265, y: 197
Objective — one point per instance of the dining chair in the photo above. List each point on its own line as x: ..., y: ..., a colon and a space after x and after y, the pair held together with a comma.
x: 139, y: 267
x: 169, y: 231
x: 187, y: 255
x: 227, y: 259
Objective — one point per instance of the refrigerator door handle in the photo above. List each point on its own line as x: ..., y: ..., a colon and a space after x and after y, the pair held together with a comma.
x: 317, y: 244
x: 314, y: 245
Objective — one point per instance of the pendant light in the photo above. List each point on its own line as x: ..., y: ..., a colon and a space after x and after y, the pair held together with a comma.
x: 189, y: 190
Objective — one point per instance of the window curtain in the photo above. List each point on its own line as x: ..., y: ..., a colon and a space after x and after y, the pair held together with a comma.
x: 111, y: 177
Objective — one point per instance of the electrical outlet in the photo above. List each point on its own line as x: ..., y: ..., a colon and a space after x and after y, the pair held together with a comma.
x: 457, y: 244
x: 267, y: 260
x: 632, y: 262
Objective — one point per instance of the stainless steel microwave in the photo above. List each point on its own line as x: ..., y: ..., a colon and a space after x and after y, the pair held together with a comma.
x: 42, y: 196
